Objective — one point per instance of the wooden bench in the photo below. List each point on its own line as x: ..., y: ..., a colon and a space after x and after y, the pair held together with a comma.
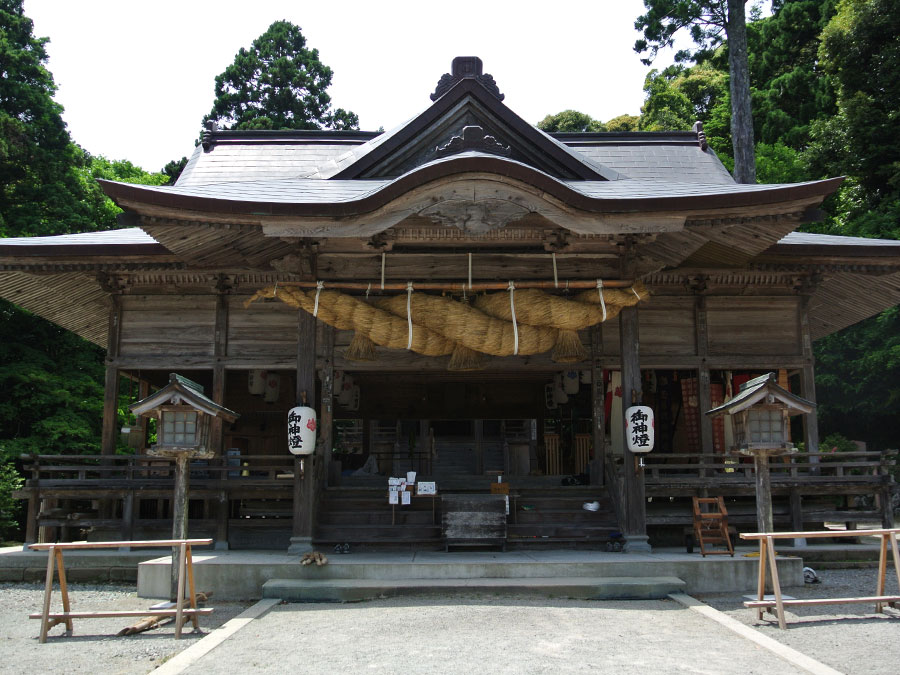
x: 767, y: 552
x: 55, y: 561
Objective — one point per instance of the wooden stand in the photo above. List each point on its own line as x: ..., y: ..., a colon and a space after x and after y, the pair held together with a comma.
x: 767, y: 551
x: 55, y: 560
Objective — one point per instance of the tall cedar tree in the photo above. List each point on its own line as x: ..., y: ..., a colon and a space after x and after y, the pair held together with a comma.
x: 709, y: 24
x: 277, y: 84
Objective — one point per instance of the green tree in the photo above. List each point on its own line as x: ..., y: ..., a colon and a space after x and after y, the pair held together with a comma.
x: 790, y: 89
x: 277, y: 84
x: 623, y: 123
x: 708, y: 23
x: 570, y: 121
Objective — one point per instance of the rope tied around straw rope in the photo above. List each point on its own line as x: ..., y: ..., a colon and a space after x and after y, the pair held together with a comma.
x: 512, y: 310
x: 602, y: 301
x: 409, y: 290
x: 319, y: 286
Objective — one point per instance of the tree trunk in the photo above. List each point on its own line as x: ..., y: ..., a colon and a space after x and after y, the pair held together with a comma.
x: 741, y: 117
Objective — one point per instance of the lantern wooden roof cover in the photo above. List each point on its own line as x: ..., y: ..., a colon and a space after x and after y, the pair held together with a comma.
x: 758, y: 389
x: 182, y: 391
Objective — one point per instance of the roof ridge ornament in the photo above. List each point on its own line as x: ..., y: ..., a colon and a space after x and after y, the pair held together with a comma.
x: 472, y: 137
x: 701, y: 135
x: 206, y: 136
x: 466, y: 68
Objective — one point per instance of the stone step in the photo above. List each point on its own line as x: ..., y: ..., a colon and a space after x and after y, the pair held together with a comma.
x: 583, y: 588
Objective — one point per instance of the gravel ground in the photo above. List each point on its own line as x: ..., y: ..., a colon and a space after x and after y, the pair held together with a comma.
x: 850, y: 638
x: 93, y: 648
x: 464, y: 633
x: 468, y: 633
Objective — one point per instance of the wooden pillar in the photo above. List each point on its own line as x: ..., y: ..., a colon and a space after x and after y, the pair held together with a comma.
x: 797, y: 516
x: 326, y: 413
x: 111, y: 385
x: 304, y: 480
x: 127, y: 531
x: 808, y: 382
x: 223, y: 513
x: 704, y: 396
x: 221, y: 353
x: 598, y: 407
x: 110, y: 428
x: 635, y: 510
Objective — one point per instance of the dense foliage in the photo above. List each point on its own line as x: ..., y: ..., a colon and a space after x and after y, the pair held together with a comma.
x: 277, y: 84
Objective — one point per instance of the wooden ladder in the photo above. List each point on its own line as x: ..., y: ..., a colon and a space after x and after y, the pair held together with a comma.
x: 711, y: 526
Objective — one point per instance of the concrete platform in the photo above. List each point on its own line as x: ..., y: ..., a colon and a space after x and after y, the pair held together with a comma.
x: 241, y: 575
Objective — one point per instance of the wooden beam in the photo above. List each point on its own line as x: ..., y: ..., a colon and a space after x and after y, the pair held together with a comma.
x: 635, y: 525
x: 304, y: 482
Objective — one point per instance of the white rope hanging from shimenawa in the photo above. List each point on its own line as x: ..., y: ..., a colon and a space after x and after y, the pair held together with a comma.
x: 319, y: 286
x: 512, y: 311
x: 409, y: 321
x: 602, y: 301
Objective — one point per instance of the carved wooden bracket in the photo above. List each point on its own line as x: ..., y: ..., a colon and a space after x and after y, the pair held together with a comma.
x: 472, y: 138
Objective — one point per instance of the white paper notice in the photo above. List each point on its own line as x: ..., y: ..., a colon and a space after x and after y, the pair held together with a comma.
x: 406, y: 496
x: 393, y: 497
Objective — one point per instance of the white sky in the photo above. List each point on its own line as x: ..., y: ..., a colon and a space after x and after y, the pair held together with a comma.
x: 136, y: 77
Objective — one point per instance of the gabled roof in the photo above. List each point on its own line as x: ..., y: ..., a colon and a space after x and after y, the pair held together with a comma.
x: 755, y: 390
x: 183, y: 391
x: 467, y: 104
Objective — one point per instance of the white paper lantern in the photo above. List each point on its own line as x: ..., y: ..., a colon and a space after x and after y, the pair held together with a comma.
x: 273, y: 387
x: 256, y: 382
x: 639, y: 428
x: 302, y: 430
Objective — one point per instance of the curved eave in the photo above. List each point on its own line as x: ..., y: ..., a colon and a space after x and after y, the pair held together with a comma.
x: 135, y: 196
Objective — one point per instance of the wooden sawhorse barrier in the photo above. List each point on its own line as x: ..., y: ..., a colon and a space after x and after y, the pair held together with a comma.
x: 767, y: 552
x: 185, y: 569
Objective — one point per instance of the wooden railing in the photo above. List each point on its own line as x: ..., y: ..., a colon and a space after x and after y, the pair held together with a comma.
x: 860, y: 466
x: 52, y: 470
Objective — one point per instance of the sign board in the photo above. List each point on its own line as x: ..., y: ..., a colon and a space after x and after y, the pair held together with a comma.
x: 639, y: 428
x: 426, y: 488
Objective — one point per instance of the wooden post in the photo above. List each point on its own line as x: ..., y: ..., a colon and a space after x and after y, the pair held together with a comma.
x: 808, y: 383
x: 223, y: 512
x: 704, y: 396
x: 221, y: 354
x: 763, y: 492
x: 179, y: 513
x: 326, y: 414
x: 111, y: 385
x: 304, y: 486
x: 635, y: 525
x: 598, y: 407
